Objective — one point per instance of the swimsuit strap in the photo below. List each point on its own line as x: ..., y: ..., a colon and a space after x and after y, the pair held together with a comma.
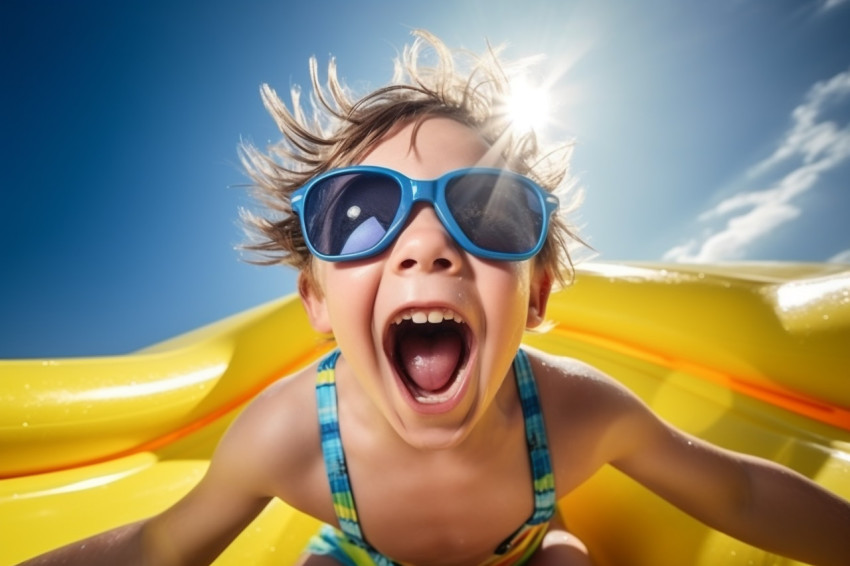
x: 334, y: 455
x: 538, y: 445
x: 343, y: 498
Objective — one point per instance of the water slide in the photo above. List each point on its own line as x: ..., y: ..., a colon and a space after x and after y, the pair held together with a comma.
x: 754, y: 357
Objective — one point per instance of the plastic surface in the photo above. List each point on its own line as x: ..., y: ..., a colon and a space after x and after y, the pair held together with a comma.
x: 753, y: 357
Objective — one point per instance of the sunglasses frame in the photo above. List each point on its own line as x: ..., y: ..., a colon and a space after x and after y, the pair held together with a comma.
x: 431, y: 191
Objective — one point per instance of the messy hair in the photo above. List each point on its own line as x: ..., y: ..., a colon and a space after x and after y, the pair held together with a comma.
x: 341, y: 129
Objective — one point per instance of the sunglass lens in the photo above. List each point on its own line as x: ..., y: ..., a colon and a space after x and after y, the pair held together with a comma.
x: 497, y: 213
x: 351, y: 213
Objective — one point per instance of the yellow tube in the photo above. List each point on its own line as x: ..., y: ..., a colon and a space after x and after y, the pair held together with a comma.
x: 751, y: 357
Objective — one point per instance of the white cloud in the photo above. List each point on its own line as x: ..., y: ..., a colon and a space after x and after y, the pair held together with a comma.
x: 812, y: 147
x: 828, y: 5
x: 840, y: 257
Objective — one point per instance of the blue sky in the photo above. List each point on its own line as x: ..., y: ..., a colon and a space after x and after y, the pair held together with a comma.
x: 705, y: 131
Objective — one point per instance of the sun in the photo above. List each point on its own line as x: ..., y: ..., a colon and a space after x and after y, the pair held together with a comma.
x: 528, y: 106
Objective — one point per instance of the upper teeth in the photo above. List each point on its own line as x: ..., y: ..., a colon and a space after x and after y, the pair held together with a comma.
x: 421, y: 316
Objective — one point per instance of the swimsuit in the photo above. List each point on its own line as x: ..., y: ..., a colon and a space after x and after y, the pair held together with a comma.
x: 348, y: 545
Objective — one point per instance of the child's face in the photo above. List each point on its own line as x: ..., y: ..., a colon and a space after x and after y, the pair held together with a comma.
x: 433, y: 381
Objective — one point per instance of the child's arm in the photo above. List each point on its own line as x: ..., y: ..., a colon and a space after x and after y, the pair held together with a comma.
x: 236, y: 487
x: 192, y: 532
x: 752, y: 499
x: 118, y: 546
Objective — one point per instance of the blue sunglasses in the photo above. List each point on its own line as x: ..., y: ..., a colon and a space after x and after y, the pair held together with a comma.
x: 356, y: 212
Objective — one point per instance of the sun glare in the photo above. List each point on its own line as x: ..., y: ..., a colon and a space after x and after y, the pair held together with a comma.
x: 528, y: 106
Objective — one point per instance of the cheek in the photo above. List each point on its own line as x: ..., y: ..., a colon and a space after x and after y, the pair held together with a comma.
x: 505, y: 292
x: 350, y: 293
x: 509, y: 280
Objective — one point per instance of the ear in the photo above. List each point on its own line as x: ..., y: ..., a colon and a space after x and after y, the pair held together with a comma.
x: 541, y: 288
x: 314, y: 303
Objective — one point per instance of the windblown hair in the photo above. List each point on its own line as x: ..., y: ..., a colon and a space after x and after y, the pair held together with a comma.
x: 342, y: 129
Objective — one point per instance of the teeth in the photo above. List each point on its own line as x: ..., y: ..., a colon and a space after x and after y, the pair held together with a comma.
x: 432, y: 316
x: 435, y: 317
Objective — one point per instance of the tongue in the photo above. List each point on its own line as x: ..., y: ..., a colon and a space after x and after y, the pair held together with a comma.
x: 430, y: 360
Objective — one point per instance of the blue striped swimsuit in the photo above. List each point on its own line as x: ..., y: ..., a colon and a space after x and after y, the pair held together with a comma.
x: 348, y: 545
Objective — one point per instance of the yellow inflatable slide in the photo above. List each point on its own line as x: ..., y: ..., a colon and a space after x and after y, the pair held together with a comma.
x: 753, y: 357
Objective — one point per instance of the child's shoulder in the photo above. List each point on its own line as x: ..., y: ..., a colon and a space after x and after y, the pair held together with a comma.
x: 276, y: 433
x: 284, y: 414
x: 589, y: 416
x: 577, y: 395
x: 563, y: 375
x: 272, y: 449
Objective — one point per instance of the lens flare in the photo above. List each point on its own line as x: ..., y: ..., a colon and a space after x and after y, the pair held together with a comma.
x: 528, y: 106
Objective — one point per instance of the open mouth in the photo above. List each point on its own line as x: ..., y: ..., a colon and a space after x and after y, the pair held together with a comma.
x: 429, y: 349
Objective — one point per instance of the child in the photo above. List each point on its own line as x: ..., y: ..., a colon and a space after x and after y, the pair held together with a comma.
x: 427, y: 239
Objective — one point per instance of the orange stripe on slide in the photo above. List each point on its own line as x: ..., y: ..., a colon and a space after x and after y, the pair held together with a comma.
x: 208, y: 419
x: 787, y: 399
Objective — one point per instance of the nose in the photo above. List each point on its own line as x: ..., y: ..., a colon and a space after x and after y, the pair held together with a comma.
x: 425, y: 245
